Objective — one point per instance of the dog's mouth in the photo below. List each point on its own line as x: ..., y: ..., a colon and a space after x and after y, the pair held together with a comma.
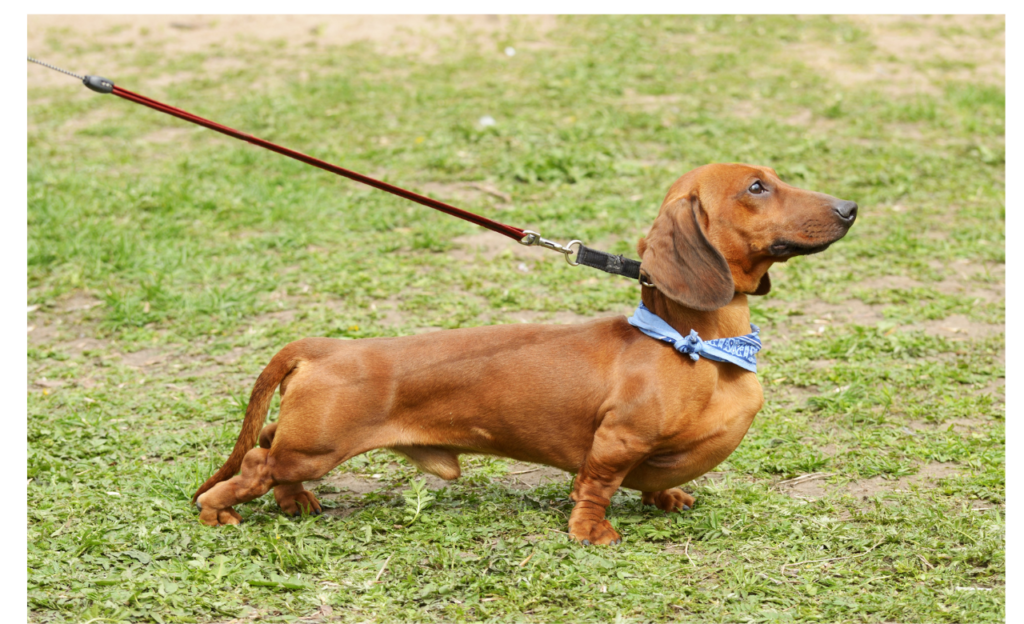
x: 788, y: 249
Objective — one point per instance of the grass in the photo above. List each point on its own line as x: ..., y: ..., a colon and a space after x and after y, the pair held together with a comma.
x: 165, y: 268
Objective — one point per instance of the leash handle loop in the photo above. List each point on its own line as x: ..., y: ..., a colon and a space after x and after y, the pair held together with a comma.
x: 98, y: 84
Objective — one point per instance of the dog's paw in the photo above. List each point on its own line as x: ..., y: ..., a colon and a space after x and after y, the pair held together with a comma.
x: 302, y: 502
x: 213, y: 517
x: 672, y: 499
x: 599, y: 533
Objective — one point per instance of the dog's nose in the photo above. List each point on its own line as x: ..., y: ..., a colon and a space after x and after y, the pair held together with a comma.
x: 847, y: 210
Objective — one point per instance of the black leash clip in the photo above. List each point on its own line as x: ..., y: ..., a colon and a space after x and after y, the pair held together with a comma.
x: 609, y: 263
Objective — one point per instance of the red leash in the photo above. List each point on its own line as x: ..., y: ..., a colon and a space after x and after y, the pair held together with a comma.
x: 508, y: 230
x: 609, y: 263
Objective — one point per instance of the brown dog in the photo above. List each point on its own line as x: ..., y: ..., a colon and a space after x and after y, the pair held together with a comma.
x: 599, y: 399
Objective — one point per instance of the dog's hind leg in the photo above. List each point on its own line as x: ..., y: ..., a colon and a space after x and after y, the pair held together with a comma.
x: 295, y: 499
x: 262, y: 469
x: 292, y: 465
x: 254, y: 480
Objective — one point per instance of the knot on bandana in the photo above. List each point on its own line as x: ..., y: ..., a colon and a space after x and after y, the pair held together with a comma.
x: 691, y: 345
x: 739, y: 350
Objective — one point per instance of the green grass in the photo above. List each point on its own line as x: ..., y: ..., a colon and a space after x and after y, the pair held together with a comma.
x: 208, y: 255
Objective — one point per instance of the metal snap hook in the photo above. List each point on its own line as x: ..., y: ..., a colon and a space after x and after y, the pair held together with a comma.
x: 569, y: 252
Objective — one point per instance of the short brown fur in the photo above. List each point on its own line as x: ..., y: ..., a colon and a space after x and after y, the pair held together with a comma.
x: 623, y: 410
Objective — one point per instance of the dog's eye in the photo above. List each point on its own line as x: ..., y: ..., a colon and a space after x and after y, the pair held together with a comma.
x: 757, y: 188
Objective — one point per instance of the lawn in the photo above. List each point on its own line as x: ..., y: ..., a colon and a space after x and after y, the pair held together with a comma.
x: 167, y: 264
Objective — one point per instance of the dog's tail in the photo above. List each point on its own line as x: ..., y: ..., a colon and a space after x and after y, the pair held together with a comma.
x: 255, y: 414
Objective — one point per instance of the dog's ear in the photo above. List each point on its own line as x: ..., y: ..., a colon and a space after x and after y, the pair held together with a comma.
x: 677, y: 257
x: 764, y: 286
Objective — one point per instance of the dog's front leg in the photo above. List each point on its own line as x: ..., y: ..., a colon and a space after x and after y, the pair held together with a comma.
x: 615, y: 452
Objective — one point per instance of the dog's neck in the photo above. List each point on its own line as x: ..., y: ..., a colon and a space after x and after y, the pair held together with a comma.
x: 727, y: 322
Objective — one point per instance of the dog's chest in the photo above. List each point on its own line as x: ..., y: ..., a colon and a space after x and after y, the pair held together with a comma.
x: 704, y: 440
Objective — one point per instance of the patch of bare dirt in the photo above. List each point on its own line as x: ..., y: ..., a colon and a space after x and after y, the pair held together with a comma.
x: 87, y: 119
x: 807, y: 489
x: 66, y: 40
x: 166, y: 135
x: 891, y: 78
x: 488, y: 246
x: 348, y: 483
x: 144, y: 358
x: 710, y: 476
x: 960, y: 425
x: 200, y: 372
x: 344, y: 490
x: 80, y: 345
x: 816, y: 317
x: 928, y: 475
x: 986, y: 283
x: 964, y: 269
x: 528, y: 476
x: 744, y: 109
x: 392, y: 316
x: 185, y: 389
x: 283, y: 317
x: 786, y: 394
x: 816, y: 312
x: 64, y: 324
x: 40, y: 332
x: 43, y: 382
x: 890, y: 282
x: 77, y: 301
x: 959, y: 327
x: 670, y: 102
x: 231, y: 356
x: 465, y: 192
x: 996, y: 388
x: 816, y: 485
x: 964, y: 47
x: 912, y: 54
x: 69, y: 325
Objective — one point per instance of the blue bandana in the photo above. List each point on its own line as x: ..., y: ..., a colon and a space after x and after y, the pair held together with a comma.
x: 741, y: 351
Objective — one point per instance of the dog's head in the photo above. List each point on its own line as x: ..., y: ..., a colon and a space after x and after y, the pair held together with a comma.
x: 722, y: 226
